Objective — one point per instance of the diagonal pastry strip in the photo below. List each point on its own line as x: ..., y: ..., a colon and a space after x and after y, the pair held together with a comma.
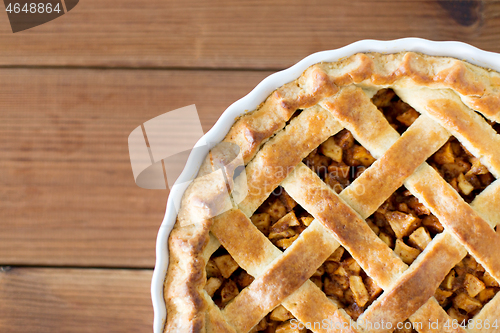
x: 311, y: 303
x: 283, y: 276
x: 264, y: 261
x: 486, y: 204
x: 282, y: 153
x: 474, y: 233
x: 214, y: 320
x: 355, y: 111
x: 387, y: 174
x: 467, y: 126
x: 252, y: 130
x: 235, y: 231
x: 431, y: 314
x: 490, y: 312
x: 417, y: 285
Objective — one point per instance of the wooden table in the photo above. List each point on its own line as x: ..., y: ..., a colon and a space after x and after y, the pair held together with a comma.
x: 77, y: 236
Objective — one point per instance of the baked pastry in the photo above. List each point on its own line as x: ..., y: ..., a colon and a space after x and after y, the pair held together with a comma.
x: 368, y: 203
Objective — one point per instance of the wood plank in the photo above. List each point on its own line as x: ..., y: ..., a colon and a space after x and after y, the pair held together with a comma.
x: 227, y: 34
x: 67, y: 193
x: 75, y: 300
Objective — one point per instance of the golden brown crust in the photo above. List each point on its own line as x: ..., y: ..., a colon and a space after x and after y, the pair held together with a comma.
x: 282, y: 153
x: 255, y: 253
x: 416, y: 285
x: 388, y: 173
x: 244, y: 241
x: 356, y: 113
x: 186, y: 278
x: 284, y: 276
x: 444, y: 90
x: 475, y: 234
x: 253, y: 129
x: 486, y: 204
x: 466, y: 125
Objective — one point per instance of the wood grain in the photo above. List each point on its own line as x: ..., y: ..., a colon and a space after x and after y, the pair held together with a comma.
x: 227, y: 34
x: 75, y: 300
x: 67, y: 193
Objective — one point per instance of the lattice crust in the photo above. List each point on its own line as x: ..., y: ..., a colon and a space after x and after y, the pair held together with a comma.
x: 331, y: 97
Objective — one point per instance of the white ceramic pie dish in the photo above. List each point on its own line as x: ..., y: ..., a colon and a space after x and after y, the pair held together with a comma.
x: 255, y: 97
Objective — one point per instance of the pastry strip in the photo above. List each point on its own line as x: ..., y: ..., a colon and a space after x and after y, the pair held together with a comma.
x: 305, y: 187
x: 416, y: 286
x: 281, y: 154
x: 251, y: 249
x: 377, y: 183
x: 254, y: 129
x: 466, y: 125
x: 491, y: 313
x: 355, y: 111
x: 431, y: 318
x: 254, y: 253
x: 486, y: 204
x: 310, y: 302
x: 474, y: 233
x: 281, y: 278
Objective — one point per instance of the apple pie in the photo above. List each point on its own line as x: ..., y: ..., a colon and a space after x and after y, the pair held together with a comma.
x: 366, y: 199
